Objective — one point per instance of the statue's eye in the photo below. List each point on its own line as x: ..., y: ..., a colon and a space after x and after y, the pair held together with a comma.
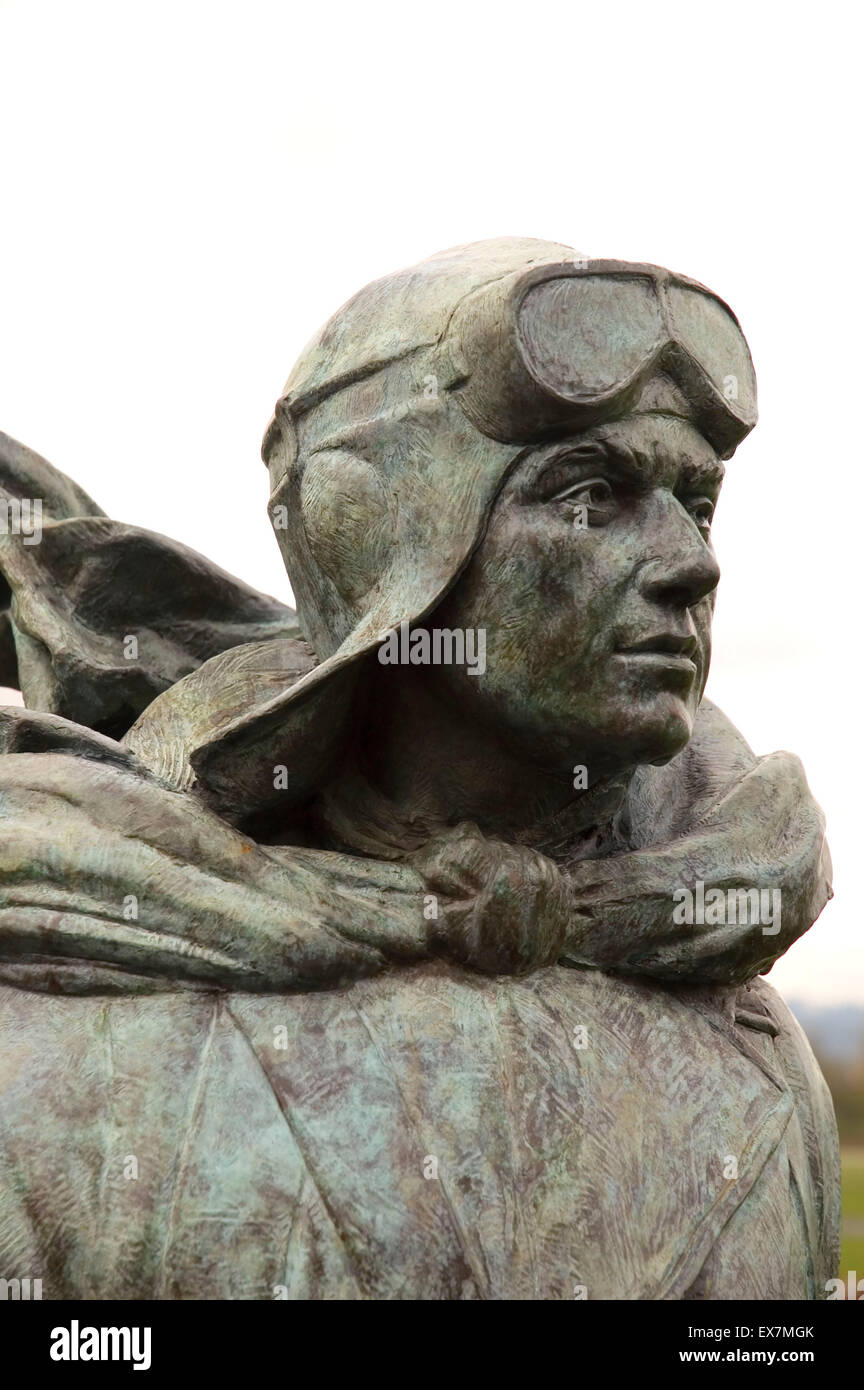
x: 592, y: 501
x: 702, y: 511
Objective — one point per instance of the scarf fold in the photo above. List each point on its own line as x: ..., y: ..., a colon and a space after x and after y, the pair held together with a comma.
x: 111, y: 882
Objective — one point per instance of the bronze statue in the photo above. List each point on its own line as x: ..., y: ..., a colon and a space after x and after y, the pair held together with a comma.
x: 419, y: 955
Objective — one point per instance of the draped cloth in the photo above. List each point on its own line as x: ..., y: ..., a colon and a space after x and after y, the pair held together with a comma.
x: 108, y: 877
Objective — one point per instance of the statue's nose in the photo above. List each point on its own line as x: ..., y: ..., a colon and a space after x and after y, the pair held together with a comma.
x: 682, y: 569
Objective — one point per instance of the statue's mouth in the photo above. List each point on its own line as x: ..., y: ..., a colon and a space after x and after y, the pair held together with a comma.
x: 665, y: 650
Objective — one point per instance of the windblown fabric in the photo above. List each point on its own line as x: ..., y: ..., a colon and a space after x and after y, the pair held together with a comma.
x: 74, y: 598
x: 89, y: 826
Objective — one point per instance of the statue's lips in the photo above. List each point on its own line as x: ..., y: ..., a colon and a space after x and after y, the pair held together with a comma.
x: 665, y: 652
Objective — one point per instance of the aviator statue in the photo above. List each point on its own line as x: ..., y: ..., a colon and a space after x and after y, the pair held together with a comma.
x: 353, y: 953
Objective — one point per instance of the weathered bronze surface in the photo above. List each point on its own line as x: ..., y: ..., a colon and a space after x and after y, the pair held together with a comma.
x: 418, y: 956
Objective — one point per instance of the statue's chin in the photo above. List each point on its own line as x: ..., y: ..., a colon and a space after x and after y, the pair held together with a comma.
x: 669, y: 735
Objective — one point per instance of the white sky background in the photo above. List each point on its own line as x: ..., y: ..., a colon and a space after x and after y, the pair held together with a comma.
x: 190, y: 189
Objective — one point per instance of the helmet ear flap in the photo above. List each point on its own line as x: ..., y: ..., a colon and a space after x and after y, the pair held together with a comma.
x: 348, y: 521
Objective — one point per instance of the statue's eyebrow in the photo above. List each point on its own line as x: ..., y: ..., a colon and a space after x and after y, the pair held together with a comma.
x: 636, y: 466
x: 708, y: 472
x: 605, y: 453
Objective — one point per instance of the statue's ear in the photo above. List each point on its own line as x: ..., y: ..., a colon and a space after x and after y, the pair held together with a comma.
x: 348, y: 521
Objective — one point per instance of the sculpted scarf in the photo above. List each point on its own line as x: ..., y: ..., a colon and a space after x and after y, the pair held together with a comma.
x: 112, y: 882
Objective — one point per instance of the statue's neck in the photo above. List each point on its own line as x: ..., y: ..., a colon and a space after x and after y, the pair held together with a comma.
x: 418, y: 768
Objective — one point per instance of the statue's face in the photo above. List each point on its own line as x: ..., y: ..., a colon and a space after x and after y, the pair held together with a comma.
x: 594, y: 583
